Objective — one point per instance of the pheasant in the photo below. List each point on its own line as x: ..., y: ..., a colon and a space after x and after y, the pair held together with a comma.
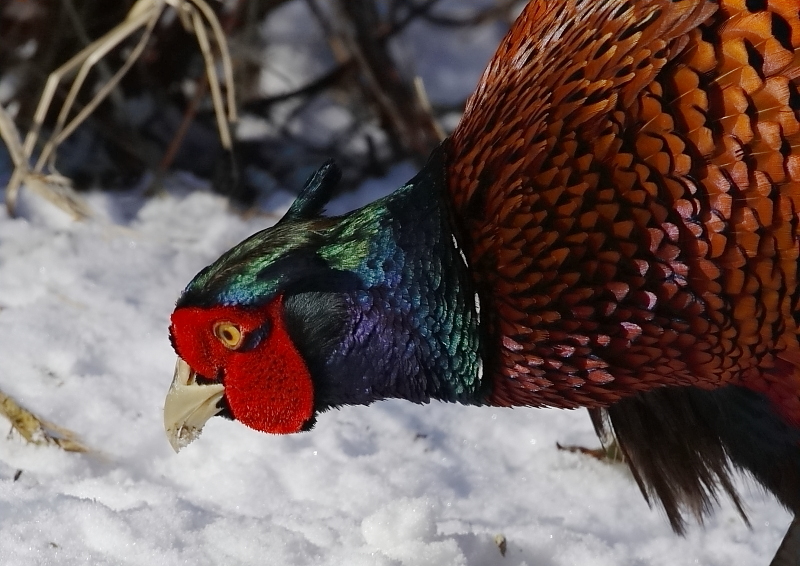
x: 612, y: 225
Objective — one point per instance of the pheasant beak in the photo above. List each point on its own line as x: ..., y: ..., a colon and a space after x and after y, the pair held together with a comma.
x: 188, y: 406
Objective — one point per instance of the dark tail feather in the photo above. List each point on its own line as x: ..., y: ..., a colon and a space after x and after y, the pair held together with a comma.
x: 680, y: 444
x: 675, y: 455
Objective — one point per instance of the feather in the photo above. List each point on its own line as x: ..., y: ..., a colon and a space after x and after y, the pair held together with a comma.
x: 315, y: 194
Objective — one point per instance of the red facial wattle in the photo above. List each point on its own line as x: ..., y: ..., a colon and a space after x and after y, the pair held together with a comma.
x: 267, y: 384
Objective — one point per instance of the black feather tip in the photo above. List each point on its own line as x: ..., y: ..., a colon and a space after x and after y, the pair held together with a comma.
x: 316, y: 193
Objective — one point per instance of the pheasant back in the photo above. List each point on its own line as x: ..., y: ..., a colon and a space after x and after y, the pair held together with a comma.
x: 629, y: 176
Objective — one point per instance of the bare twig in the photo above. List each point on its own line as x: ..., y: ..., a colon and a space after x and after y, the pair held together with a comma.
x: 196, y: 14
x: 316, y: 86
x: 413, y: 11
x: 54, y: 187
x: 200, y: 93
x: 37, y: 430
x: 410, y: 125
x: 103, y: 68
x: 606, y: 453
x: 502, y: 9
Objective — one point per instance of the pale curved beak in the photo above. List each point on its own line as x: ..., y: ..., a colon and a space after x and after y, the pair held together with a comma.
x: 188, y: 406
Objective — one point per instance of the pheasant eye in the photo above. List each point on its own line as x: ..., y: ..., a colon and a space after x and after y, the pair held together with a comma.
x: 229, y: 334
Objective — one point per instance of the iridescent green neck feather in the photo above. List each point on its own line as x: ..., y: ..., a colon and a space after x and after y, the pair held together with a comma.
x: 379, y: 301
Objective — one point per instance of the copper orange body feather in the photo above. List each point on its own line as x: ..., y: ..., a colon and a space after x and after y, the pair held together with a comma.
x: 630, y: 177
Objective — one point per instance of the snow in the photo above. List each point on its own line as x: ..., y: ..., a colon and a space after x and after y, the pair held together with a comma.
x: 85, y: 308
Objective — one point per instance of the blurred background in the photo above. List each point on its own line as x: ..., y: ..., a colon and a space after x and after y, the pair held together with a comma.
x: 367, y: 82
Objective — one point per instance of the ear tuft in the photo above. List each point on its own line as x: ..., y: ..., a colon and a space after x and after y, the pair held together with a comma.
x: 316, y: 193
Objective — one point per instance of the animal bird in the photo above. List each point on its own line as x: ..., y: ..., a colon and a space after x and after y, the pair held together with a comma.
x: 612, y: 225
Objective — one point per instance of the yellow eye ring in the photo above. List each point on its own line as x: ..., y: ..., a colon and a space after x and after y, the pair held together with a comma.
x: 229, y: 334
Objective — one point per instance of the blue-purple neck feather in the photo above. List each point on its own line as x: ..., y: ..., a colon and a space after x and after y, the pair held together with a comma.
x: 413, y: 326
x: 391, y: 274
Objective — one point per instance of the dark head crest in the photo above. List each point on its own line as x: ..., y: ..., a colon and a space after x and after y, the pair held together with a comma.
x: 315, y: 194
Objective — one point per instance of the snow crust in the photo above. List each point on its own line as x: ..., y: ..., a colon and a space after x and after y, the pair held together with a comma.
x: 84, y: 309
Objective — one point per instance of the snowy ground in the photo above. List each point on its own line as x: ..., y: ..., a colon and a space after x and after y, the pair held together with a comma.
x: 85, y: 307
